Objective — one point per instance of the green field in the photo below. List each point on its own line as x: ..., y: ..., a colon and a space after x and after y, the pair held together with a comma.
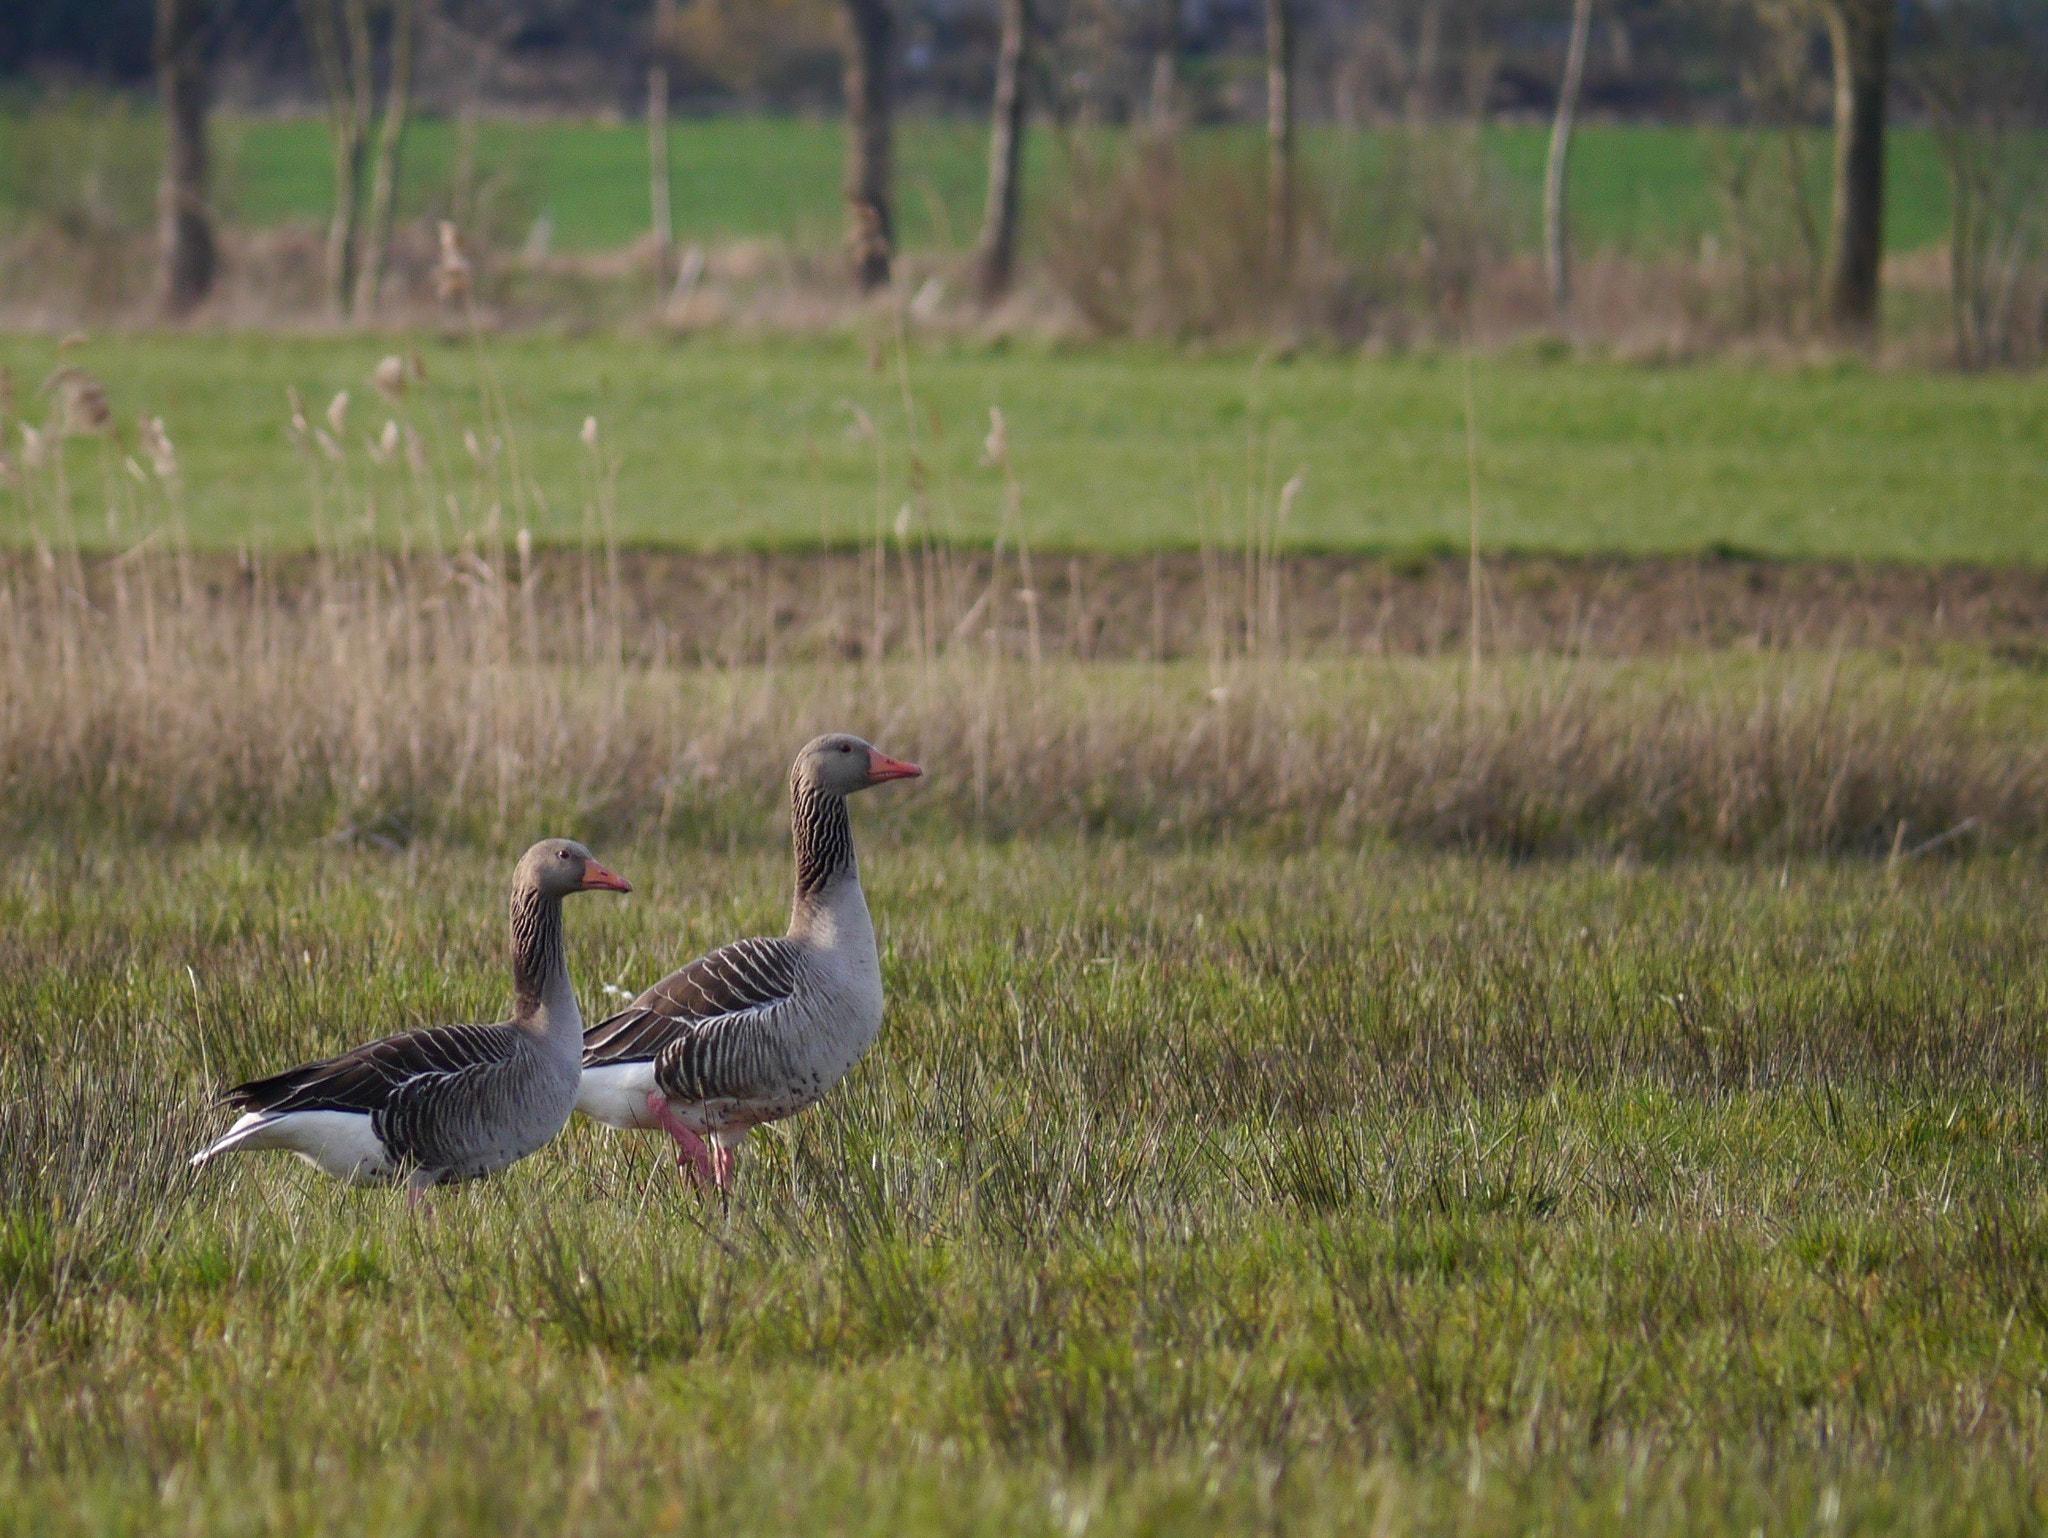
x: 739, y: 441
x: 1636, y: 188
x: 1184, y: 1192
x: 1361, y: 1090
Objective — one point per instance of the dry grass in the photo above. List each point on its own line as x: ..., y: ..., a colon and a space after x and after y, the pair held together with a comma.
x: 426, y: 669
x: 443, y: 694
x: 737, y: 608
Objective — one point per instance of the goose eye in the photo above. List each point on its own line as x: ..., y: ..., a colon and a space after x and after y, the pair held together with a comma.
x: 846, y: 747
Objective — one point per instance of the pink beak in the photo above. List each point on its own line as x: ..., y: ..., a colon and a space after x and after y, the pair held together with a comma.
x: 597, y: 879
x: 883, y: 768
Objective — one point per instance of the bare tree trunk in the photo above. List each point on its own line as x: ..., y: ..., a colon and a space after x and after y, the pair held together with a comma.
x: 1861, y: 33
x: 384, y: 176
x: 1165, y: 63
x: 660, y: 216
x: 661, y: 220
x: 996, y: 254
x: 870, y: 238
x: 341, y: 52
x: 1556, y: 234
x: 1280, y: 135
x: 184, y: 220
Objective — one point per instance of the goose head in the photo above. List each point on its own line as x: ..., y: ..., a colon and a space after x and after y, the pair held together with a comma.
x: 555, y: 867
x: 840, y: 763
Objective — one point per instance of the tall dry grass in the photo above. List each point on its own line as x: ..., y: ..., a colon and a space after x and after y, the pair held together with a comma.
x: 416, y: 674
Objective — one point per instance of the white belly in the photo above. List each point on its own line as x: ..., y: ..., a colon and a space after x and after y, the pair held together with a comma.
x: 616, y: 1094
x: 340, y: 1142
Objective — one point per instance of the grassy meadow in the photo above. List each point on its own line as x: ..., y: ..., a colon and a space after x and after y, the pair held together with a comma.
x: 1330, y: 1084
x: 1323, y: 1095
x: 1346, y: 1190
x: 1637, y: 188
x: 734, y: 442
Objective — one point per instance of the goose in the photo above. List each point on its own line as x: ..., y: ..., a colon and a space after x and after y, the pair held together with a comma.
x: 451, y: 1102
x: 759, y: 1029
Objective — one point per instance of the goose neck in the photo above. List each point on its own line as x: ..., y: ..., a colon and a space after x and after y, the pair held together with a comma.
x: 540, y: 971
x: 823, y: 835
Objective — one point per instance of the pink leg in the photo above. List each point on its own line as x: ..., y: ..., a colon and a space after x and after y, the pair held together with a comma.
x: 691, y: 1155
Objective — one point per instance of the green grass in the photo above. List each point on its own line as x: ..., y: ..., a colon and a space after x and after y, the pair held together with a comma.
x: 731, y: 177
x: 1639, y: 188
x: 740, y: 441
x: 1213, y: 1190
x: 1644, y: 188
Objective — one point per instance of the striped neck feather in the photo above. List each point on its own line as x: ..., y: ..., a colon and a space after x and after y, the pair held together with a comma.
x: 823, y: 835
x: 538, y: 965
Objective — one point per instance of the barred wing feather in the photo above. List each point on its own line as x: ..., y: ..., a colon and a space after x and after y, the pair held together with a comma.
x: 704, y: 1000
x: 369, y: 1078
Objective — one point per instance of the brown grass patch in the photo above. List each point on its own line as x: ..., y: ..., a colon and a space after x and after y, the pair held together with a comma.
x: 487, y: 697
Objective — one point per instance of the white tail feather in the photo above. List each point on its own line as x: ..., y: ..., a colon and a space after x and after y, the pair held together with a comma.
x: 343, y: 1143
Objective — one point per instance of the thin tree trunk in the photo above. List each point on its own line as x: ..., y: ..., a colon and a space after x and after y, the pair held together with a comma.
x: 384, y: 175
x: 341, y: 52
x: 1280, y: 135
x: 659, y: 210
x: 996, y: 253
x: 661, y: 222
x: 870, y: 237
x: 351, y: 138
x: 1861, y: 33
x: 341, y: 227
x: 1556, y: 233
x: 1165, y: 63
x: 184, y: 219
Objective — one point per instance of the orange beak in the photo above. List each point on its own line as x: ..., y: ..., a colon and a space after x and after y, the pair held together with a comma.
x: 882, y: 768
x: 597, y: 879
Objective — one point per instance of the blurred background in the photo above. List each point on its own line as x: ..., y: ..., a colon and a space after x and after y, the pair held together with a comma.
x: 1650, y: 176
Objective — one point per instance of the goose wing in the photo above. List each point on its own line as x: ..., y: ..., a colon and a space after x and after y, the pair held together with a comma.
x: 373, y: 1078
x: 694, y: 1024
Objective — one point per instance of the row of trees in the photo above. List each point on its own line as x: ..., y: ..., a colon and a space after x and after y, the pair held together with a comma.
x: 363, y: 56
x: 1859, y: 34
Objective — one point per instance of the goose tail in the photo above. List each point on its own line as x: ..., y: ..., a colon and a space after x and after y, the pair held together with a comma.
x: 245, y: 1128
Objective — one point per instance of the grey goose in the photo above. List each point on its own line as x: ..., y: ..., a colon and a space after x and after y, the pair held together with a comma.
x: 451, y: 1102
x: 759, y: 1029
